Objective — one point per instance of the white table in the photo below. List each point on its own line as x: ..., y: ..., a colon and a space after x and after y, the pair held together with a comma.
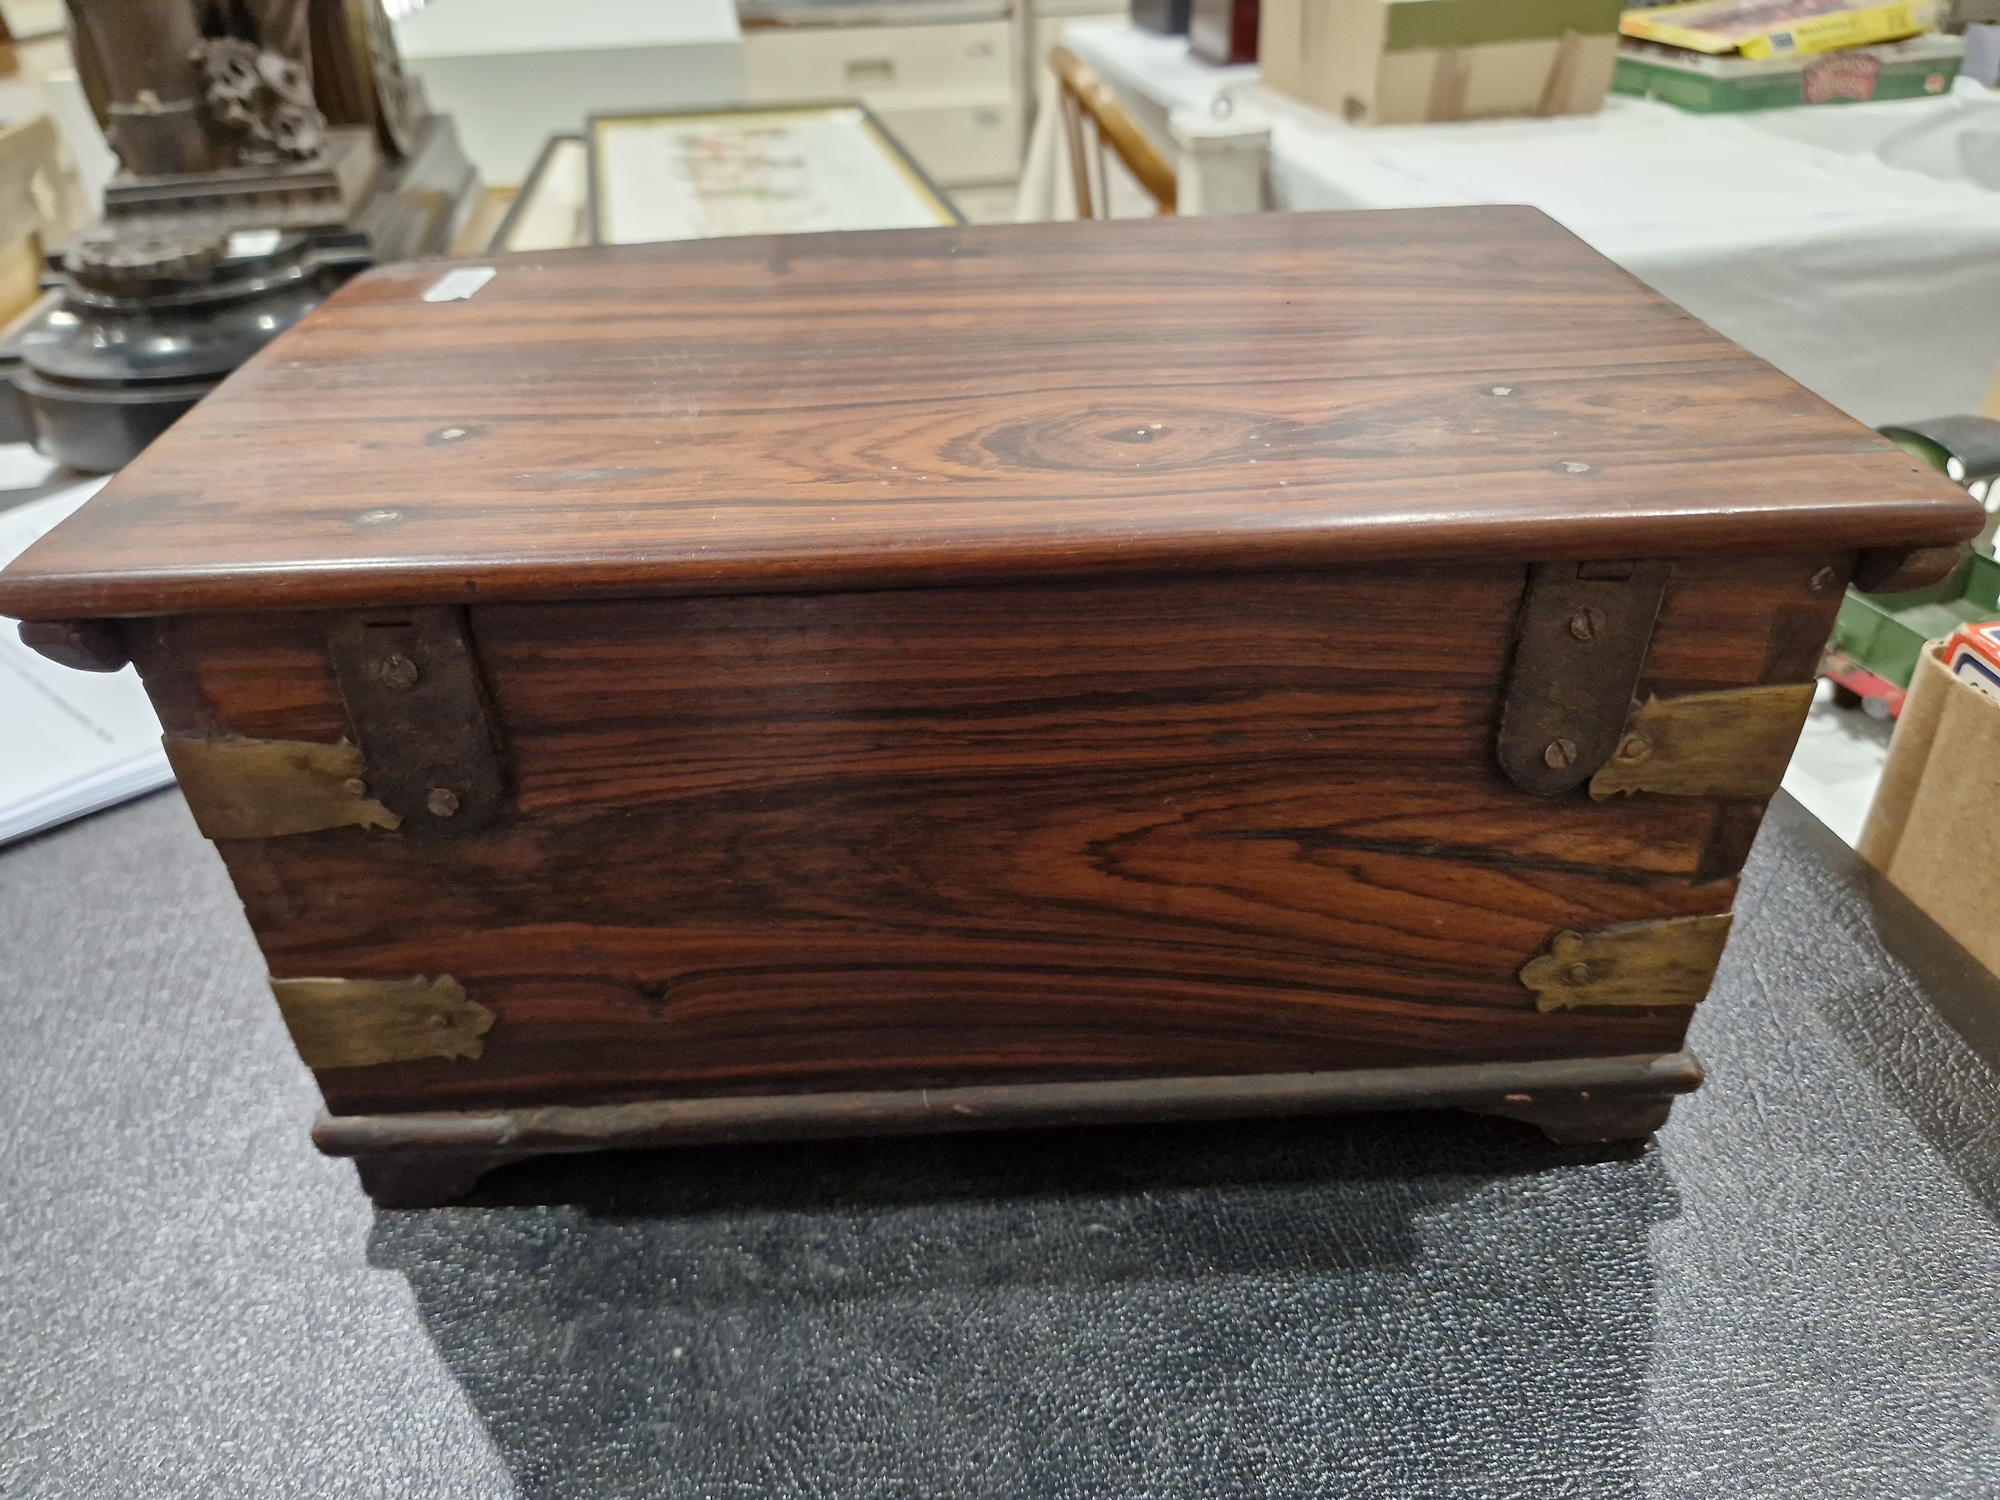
x: 1856, y: 247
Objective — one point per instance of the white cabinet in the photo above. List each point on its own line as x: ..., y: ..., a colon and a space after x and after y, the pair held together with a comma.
x: 959, y: 141
x: 948, y: 90
x: 514, y: 72
x: 787, y: 64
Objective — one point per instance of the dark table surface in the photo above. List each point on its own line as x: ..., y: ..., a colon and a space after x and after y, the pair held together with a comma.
x: 1795, y: 1291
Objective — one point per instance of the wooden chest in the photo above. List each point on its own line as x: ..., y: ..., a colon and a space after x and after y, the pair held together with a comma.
x: 942, y: 679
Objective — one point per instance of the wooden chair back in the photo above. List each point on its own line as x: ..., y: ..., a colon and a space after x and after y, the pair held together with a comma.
x: 1085, y: 96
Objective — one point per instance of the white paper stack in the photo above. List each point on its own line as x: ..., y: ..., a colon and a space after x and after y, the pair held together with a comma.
x: 70, y: 742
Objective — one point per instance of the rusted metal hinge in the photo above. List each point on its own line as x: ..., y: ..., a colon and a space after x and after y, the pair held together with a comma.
x: 419, y: 709
x: 1579, y: 650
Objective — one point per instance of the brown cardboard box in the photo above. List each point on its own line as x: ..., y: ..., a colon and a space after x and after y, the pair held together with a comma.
x: 26, y: 154
x: 1403, y: 62
x: 1935, y: 827
x: 41, y: 203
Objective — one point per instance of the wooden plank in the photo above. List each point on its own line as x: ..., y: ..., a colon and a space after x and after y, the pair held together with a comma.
x: 1026, y: 401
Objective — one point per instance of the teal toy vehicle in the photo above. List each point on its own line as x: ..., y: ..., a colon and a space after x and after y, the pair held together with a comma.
x: 1873, y: 653
x: 1876, y: 641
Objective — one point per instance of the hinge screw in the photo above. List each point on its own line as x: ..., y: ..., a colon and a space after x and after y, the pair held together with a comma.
x: 1560, y: 754
x: 442, y: 802
x: 1577, y: 974
x: 1586, y: 623
x: 398, y: 671
x: 1635, y: 747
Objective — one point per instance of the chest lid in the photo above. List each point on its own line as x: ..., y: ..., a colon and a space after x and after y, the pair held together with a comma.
x: 921, y: 407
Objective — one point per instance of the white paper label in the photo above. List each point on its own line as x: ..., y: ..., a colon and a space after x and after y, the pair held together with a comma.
x: 247, y: 242
x: 456, y: 286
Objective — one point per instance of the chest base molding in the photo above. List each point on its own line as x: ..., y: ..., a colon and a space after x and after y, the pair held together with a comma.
x: 423, y: 1160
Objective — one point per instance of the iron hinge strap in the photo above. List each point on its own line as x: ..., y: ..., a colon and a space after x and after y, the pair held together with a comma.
x: 1579, y: 651
x: 419, y: 710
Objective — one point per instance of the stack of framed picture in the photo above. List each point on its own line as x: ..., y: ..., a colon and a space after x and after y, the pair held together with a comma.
x: 636, y: 178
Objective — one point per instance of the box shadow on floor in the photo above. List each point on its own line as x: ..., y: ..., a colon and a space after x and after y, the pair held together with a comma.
x: 1412, y: 1303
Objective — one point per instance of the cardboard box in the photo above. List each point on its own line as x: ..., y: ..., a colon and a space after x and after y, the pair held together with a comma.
x: 1166, y: 17
x: 1404, y: 62
x: 1973, y: 655
x: 1935, y: 827
x: 41, y: 203
x: 1911, y: 69
x: 1224, y: 32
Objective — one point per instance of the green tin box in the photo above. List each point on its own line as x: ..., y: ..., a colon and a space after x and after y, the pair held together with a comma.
x: 1910, y: 69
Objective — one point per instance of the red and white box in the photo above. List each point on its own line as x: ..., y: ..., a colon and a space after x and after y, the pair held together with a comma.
x: 1973, y: 655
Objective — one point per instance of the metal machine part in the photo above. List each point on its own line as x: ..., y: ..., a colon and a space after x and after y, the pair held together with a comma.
x: 147, y: 326
x: 268, y: 154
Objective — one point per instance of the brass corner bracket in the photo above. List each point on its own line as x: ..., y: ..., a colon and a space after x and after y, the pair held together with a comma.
x: 1734, y: 743
x: 357, y: 1023
x: 1659, y: 965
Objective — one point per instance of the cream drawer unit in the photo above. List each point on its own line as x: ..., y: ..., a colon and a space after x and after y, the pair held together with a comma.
x: 789, y: 64
x: 958, y: 137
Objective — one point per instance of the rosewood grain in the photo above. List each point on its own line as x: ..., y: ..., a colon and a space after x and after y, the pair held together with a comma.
x: 1058, y: 661
x: 808, y: 842
x: 917, y: 407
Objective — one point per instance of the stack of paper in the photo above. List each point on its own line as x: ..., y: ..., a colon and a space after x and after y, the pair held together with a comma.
x: 70, y: 742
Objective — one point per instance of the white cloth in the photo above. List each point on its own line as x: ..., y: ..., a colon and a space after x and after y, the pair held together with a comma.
x: 1855, y: 247
x: 1044, y: 193
x: 1047, y: 188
